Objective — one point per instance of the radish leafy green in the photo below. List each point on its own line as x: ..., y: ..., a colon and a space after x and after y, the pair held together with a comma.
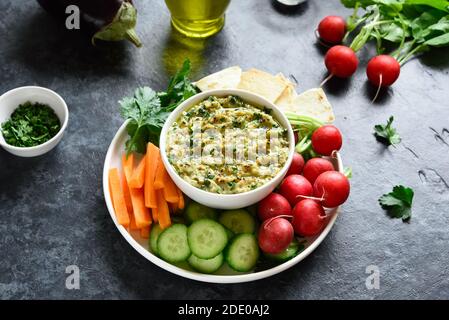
x: 413, y: 26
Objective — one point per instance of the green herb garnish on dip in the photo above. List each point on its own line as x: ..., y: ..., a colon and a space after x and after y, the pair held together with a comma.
x: 31, y: 124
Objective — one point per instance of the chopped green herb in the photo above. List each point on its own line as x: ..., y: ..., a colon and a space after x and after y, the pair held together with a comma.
x: 398, y: 203
x: 231, y: 184
x: 31, y: 124
x: 387, y: 134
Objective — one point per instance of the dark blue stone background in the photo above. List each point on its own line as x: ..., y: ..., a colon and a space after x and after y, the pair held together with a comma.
x: 52, y: 211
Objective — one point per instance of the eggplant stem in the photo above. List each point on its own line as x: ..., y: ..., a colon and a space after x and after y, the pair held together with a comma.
x: 133, y: 37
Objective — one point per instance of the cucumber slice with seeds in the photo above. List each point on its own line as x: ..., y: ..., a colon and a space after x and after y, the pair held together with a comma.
x: 238, y: 221
x: 154, y: 235
x: 206, y: 265
x: 207, y: 238
x: 196, y: 211
x: 292, y: 251
x: 172, y: 244
x: 243, y: 253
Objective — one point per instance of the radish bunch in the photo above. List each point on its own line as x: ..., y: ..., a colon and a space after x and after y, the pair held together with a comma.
x: 341, y: 61
x: 308, y: 188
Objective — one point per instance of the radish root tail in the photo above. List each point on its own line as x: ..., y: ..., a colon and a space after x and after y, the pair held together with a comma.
x: 326, y: 80
x: 269, y: 221
x: 378, y: 89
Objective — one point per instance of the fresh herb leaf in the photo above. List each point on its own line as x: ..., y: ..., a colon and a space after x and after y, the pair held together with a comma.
x: 347, y: 171
x: 148, y: 110
x: 31, y: 124
x: 146, y: 119
x: 387, y: 134
x: 179, y: 88
x: 398, y: 203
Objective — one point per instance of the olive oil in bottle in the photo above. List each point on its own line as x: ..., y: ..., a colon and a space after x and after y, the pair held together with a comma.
x: 198, y: 18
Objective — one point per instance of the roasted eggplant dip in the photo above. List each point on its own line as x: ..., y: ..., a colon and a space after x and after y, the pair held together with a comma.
x: 226, y: 145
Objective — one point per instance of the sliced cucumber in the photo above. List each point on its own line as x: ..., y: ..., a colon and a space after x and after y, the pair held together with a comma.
x: 230, y: 234
x: 172, y: 244
x: 292, y: 250
x: 207, y: 238
x: 154, y: 235
x: 196, y: 211
x: 206, y: 265
x: 243, y: 253
x: 238, y: 221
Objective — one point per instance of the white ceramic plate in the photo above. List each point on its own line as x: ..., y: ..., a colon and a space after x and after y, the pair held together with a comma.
x: 113, y: 159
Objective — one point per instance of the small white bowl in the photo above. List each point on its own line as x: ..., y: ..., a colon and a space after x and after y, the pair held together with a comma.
x: 10, y: 100
x: 227, y: 201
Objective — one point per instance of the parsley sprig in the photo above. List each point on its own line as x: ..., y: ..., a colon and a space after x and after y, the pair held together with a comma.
x: 386, y: 133
x: 148, y: 110
x: 398, y: 203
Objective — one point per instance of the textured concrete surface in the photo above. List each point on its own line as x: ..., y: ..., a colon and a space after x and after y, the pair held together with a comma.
x: 52, y: 211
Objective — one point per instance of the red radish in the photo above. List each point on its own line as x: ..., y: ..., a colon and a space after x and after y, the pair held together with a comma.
x: 326, y: 139
x: 295, y: 186
x: 333, y: 187
x: 383, y: 70
x: 297, y: 165
x: 341, y: 61
x: 275, y: 235
x: 308, y: 218
x: 316, y: 166
x: 272, y: 206
x: 332, y: 29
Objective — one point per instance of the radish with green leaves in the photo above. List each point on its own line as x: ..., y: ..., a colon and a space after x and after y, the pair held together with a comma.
x: 308, y: 218
x: 383, y: 71
x: 326, y: 139
x: 341, y: 61
x: 332, y: 29
x: 272, y: 206
x: 294, y: 187
x: 316, y: 166
x: 332, y: 188
x: 275, y: 235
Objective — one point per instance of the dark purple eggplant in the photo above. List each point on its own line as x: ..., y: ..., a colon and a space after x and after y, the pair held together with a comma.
x: 109, y: 20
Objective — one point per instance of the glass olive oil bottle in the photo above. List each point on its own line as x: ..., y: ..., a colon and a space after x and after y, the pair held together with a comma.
x: 198, y: 18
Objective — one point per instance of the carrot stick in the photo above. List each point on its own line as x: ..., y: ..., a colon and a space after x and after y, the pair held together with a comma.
x: 154, y: 213
x: 128, y: 165
x: 160, y: 173
x: 170, y: 190
x: 163, y: 212
x: 150, y: 173
x: 138, y: 176
x: 174, y: 207
x: 132, y: 223
x: 141, y: 213
x: 181, y: 203
x: 125, y: 187
x: 145, y: 232
x: 118, y: 198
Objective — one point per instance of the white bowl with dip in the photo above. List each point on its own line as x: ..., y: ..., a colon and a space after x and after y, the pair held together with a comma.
x: 9, y: 102
x: 227, y: 201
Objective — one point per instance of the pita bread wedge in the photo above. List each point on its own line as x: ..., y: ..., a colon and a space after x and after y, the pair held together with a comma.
x: 262, y: 83
x: 312, y: 103
x: 288, y: 95
x: 228, y: 78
